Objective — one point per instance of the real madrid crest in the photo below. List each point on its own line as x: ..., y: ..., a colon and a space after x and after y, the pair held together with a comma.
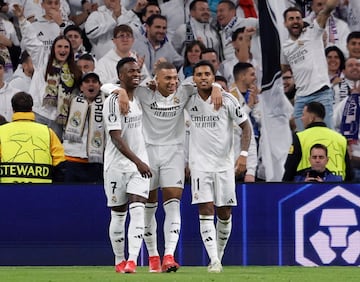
x: 96, y: 140
x: 75, y: 120
x: 176, y: 100
x: 112, y: 118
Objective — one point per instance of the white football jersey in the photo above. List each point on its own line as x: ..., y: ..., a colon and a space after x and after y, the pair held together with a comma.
x: 211, y: 133
x: 131, y: 131
x: 163, y: 117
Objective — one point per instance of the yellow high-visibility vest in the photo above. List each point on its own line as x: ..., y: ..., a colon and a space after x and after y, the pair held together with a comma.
x: 25, y: 153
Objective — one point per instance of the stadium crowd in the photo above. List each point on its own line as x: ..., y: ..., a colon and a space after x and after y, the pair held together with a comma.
x: 66, y: 54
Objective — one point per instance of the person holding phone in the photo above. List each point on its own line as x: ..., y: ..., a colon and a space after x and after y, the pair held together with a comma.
x: 318, y: 171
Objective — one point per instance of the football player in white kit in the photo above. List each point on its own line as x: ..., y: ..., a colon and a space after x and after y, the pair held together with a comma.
x: 164, y: 133
x: 211, y: 161
x: 126, y: 169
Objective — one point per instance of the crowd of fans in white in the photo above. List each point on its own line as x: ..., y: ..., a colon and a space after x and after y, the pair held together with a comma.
x: 46, y: 46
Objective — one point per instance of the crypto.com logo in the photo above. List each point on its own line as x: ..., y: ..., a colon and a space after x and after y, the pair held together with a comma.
x: 337, y: 221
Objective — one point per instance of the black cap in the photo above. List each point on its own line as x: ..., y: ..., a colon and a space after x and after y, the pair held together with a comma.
x: 90, y: 74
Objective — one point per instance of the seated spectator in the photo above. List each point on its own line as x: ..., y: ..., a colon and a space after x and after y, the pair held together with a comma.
x: 317, y: 172
x: 336, y: 63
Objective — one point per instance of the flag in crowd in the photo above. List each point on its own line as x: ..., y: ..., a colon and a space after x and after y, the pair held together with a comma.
x: 276, y: 109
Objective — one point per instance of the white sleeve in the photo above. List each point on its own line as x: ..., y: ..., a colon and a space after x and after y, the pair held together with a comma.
x: 32, y: 44
x: 108, y: 88
x: 98, y: 24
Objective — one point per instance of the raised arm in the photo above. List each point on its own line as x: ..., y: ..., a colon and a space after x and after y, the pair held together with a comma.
x: 324, y: 14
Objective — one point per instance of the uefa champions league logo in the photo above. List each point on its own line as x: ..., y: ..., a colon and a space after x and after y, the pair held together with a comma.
x: 338, y: 237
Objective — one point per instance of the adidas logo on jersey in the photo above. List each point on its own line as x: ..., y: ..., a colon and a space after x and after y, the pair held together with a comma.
x: 40, y: 33
x: 194, y: 109
x: 231, y: 201
x: 179, y: 182
x: 154, y: 105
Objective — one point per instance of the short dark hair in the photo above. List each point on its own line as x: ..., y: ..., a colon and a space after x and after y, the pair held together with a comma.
x: 193, y: 3
x: 241, y: 67
x: 208, y: 50
x: 87, y: 57
x: 352, y: 35
x: 291, y: 9
x: 164, y: 65
x: 23, y: 57
x: 73, y: 27
x: 204, y: 63
x: 150, y: 20
x: 2, y: 61
x: 122, y: 62
x: 221, y: 78
x: 319, y: 146
x: 22, y: 102
x: 316, y: 108
x: 122, y: 28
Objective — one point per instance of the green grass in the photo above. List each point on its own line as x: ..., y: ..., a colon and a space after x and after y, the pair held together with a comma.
x: 185, y: 274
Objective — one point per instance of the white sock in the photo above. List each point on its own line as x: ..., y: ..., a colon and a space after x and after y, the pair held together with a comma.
x: 172, y: 225
x: 117, y: 234
x: 135, y: 229
x: 150, y: 237
x: 208, y: 235
x: 223, y: 231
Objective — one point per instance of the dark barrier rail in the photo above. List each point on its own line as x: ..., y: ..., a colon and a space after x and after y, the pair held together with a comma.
x: 273, y: 224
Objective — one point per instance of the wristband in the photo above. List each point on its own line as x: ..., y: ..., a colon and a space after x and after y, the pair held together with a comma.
x: 244, y: 153
x: 215, y: 84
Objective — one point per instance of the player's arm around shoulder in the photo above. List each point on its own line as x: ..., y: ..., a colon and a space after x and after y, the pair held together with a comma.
x: 123, y: 99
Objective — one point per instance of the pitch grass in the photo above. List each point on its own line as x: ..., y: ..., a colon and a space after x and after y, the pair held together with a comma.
x: 185, y: 274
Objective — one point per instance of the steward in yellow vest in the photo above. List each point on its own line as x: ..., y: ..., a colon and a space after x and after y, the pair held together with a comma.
x: 30, y: 152
x: 317, y: 132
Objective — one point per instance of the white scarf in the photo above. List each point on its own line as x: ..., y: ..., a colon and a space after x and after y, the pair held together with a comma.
x: 80, y: 112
